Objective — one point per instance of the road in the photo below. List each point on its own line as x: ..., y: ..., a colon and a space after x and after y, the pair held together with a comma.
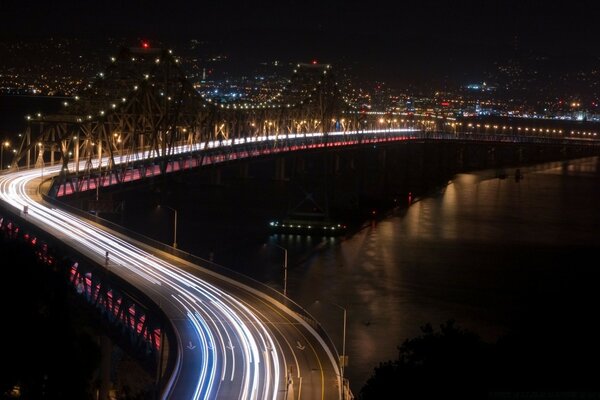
x: 233, y: 340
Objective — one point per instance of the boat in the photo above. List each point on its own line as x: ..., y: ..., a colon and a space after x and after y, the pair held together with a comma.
x: 308, y: 224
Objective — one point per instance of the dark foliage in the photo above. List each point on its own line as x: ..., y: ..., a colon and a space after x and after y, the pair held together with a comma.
x: 433, y: 365
x: 456, y: 363
x: 47, y: 352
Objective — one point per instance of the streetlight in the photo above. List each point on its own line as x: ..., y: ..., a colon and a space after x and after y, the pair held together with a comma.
x: 343, y: 360
x: 175, y: 227
x: 284, y: 269
x: 40, y: 144
x: 4, y: 144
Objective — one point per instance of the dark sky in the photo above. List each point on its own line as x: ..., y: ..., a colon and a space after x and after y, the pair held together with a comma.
x: 370, y: 32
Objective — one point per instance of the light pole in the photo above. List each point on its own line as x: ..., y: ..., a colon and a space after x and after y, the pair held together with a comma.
x: 343, y: 363
x: 175, y: 225
x: 4, y: 144
x: 343, y: 360
x: 40, y: 144
x: 284, y: 269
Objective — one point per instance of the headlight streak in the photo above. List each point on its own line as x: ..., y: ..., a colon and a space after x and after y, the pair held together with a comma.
x: 216, y: 320
x: 265, y: 339
x: 202, y: 347
x: 153, y: 270
x: 220, y: 316
x: 249, y: 348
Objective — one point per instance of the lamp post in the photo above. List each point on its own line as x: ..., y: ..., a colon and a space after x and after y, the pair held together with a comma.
x: 343, y: 363
x: 284, y: 269
x: 175, y: 224
x: 4, y: 144
x: 343, y: 360
x: 40, y: 144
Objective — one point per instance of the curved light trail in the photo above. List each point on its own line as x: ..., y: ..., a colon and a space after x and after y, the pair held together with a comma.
x: 233, y: 341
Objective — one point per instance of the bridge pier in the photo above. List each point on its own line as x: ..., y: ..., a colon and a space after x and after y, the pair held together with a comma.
x: 106, y: 349
x: 299, y: 164
x: 491, y: 156
x: 244, y: 170
x: 280, y: 169
x: 215, y: 176
x: 520, y: 154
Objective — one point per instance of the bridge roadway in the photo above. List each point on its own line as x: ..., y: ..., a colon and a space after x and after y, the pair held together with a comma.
x: 233, y: 340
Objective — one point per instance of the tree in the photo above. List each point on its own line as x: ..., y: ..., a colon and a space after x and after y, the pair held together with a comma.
x: 451, y: 362
x: 48, y: 351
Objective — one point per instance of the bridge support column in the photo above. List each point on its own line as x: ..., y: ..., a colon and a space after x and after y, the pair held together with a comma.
x: 76, y: 152
x: 336, y: 164
x: 215, y: 176
x: 100, y: 153
x: 280, y: 169
x: 353, y: 162
x: 244, y: 171
x: 105, y: 366
x: 141, y: 144
x: 491, y: 156
x: 382, y: 159
x: 300, y: 166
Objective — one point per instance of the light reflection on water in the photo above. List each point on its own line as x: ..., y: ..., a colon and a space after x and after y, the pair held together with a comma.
x: 472, y: 252
x: 485, y: 251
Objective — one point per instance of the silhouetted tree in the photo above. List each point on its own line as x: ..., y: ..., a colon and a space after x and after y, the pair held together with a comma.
x: 544, y: 356
x: 437, y: 364
x: 47, y: 350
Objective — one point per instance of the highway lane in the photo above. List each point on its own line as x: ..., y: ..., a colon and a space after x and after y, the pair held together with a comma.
x: 234, y: 341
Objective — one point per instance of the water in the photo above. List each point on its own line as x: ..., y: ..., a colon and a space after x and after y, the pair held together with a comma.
x: 496, y: 255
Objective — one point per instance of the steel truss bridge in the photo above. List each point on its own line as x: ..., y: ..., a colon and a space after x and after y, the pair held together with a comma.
x: 143, y: 107
x: 141, y: 117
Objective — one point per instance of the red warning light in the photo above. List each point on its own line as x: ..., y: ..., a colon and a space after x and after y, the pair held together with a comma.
x: 145, y: 45
x: 314, y: 62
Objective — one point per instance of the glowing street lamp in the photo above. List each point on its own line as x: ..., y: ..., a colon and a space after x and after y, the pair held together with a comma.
x: 5, y: 144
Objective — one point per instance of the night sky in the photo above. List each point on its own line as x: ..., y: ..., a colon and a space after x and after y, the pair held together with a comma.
x: 426, y: 35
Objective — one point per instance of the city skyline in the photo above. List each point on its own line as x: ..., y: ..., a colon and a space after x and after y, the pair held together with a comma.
x: 398, y: 41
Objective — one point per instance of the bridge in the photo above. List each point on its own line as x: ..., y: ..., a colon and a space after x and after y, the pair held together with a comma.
x: 231, y: 337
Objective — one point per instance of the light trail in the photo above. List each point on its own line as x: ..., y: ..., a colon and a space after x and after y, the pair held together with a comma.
x: 225, y: 344
x: 201, y: 297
